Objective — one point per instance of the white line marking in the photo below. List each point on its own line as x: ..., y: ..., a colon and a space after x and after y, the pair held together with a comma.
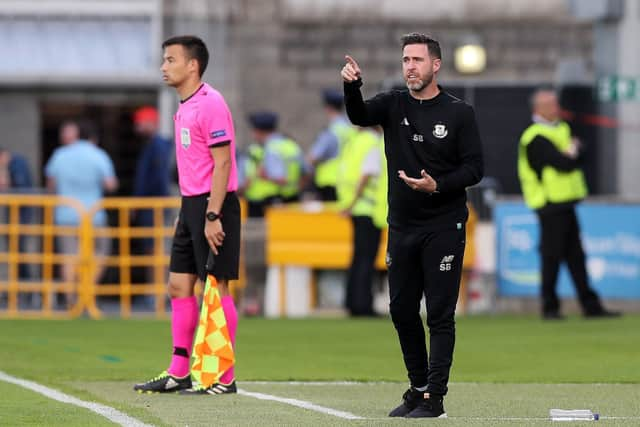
x: 347, y: 415
x: 505, y: 419
x: 312, y: 383
x: 108, y: 412
x: 618, y: 418
x: 277, y: 382
x: 302, y: 404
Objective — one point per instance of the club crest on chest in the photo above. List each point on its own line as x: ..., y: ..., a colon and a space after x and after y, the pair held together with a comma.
x: 440, y: 130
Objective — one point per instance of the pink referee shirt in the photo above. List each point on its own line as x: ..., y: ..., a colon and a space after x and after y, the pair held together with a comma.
x: 202, y: 121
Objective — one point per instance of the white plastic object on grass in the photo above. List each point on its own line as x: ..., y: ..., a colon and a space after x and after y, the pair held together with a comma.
x: 573, y: 415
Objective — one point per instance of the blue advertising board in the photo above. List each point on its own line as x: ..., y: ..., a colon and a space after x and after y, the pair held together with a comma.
x: 611, y: 240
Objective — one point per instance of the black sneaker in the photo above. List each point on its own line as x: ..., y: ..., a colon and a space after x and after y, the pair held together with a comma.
x: 217, y: 388
x: 552, y: 315
x: 602, y: 313
x: 410, y: 400
x: 164, y: 383
x: 430, y: 406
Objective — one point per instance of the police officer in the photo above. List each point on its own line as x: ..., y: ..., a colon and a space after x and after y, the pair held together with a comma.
x: 359, y: 169
x: 273, y: 168
x: 552, y: 183
x: 433, y: 152
x: 325, y: 152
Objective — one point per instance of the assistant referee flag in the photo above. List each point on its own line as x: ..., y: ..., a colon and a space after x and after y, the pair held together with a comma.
x: 212, y: 352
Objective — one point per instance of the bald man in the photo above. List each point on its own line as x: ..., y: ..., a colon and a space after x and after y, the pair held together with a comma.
x: 552, y: 181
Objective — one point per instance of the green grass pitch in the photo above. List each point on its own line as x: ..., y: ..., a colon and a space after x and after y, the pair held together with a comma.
x: 507, y: 370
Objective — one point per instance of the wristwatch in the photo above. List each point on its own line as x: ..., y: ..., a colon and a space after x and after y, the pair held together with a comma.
x: 212, y: 216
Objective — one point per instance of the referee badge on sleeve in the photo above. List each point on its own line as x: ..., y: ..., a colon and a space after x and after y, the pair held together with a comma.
x: 185, y: 138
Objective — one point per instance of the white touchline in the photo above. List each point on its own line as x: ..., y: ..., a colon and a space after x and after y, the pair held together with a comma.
x: 313, y: 383
x: 302, y: 404
x: 108, y: 412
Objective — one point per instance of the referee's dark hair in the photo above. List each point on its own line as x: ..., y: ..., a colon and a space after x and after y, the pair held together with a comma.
x: 195, y: 48
x: 418, y: 38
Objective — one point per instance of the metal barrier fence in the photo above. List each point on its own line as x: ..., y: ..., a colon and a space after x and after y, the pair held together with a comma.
x: 50, y: 270
x: 28, y: 223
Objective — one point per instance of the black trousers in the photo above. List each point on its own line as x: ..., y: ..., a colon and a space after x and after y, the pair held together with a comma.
x: 366, y: 239
x: 560, y: 242
x: 429, y: 264
x: 256, y: 208
x: 327, y: 194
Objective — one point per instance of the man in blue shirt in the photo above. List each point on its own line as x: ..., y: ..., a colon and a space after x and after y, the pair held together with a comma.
x: 151, y: 180
x: 15, y: 177
x: 82, y: 171
x: 152, y: 168
x: 324, y: 153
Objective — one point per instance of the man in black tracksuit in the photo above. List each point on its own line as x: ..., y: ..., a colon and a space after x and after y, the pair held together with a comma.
x: 433, y: 152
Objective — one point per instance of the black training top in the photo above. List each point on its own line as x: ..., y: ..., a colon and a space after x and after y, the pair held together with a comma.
x: 438, y: 135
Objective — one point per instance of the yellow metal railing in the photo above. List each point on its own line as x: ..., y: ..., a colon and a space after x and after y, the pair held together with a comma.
x: 121, y: 209
x: 11, y: 285
x: 86, y: 265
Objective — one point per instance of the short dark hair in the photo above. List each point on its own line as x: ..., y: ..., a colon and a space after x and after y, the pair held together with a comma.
x: 195, y: 48
x: 418, y: 38
x: 86, y: 129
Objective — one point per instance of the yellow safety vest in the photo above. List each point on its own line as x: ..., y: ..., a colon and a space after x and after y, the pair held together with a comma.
x: 381, y: 209
x: 291, y: 154
x: 327, y: 171
x: 553, y: 186
x: 258, y: 188
x: 352, y: 158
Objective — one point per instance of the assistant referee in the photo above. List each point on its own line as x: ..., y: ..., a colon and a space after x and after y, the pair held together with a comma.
x: 434, y: 153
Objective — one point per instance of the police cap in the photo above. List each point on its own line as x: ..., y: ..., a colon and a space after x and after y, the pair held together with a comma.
x: 333, y: 98
x: 264, y: 120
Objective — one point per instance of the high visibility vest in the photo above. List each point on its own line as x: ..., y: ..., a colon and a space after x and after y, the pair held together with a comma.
x: 553, y: 186
x: 327, y: 171
x: 352, y: 158
x: 290, y: 152
x: 258, y: 188
x: 381, y: 209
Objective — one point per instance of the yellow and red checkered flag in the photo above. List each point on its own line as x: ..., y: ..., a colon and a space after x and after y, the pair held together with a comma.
x: 212, y: 350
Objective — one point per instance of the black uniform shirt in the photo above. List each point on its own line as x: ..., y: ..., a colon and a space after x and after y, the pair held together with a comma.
x: 438, y: 135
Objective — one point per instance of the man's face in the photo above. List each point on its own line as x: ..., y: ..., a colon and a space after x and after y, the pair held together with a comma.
x: 5, y: 157
x: 547, y: 106
x: 418, y: 68
x: 176, y: 66
x: 259, y: 135
x: 145, y: 127
x: 68, y: 134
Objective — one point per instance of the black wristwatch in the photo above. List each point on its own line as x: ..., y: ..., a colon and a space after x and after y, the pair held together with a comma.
x: 212, y: 216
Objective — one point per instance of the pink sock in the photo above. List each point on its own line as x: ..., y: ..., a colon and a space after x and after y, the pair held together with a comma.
x: 231, y: 315
x: 184, y: 319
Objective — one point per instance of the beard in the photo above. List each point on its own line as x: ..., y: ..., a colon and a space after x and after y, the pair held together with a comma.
x: 420, y: 84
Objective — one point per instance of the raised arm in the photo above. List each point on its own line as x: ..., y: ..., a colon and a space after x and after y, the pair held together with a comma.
x: 362, y: 113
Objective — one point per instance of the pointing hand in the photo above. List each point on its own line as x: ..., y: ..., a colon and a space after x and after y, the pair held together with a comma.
x: 351, y: 71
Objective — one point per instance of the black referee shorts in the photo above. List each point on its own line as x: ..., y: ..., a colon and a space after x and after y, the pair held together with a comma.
x: 190, y: 248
